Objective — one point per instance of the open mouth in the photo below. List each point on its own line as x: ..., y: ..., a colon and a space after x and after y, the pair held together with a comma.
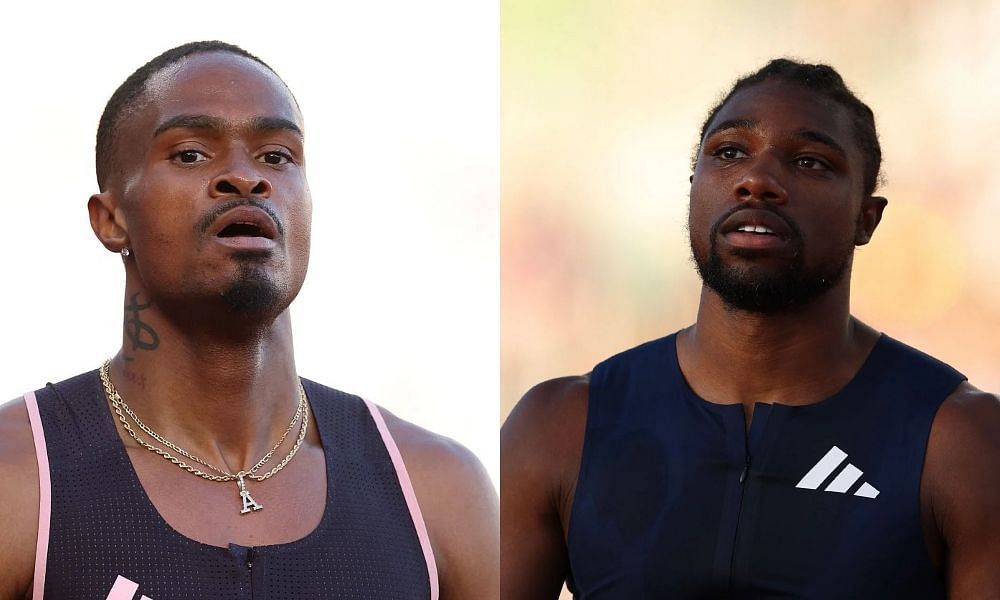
x: 245, y: 222
x: 756, y: 229
x: 246, y: 228
x: 243, y: 230
x: 750, y: 222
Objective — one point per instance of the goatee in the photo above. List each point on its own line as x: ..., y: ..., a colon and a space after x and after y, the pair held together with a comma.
x: 753, y: 289
x: 252, y: 292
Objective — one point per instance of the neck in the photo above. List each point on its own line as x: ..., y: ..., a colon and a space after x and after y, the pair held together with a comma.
x: 225, y: 397
x: 794, y: 357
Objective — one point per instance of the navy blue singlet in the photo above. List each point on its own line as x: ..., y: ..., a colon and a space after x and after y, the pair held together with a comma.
x: 106, y: 539
x: 675, y: 499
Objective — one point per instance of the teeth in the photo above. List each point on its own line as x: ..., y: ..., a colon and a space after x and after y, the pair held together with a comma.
x: 754, y: 229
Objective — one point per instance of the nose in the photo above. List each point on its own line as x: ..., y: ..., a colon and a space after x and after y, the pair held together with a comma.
x: 760, y: 181
x: 240, y: 178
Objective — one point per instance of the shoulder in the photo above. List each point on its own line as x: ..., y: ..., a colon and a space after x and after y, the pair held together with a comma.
x: 541, y: 443
x: 458, y: 503
x: 964, y: 441
x: 430, y: 455
x: 16, y: 441
x: 432, y: 461
x: 968, y: 405
x: 961, y: 484
x: 961, y: 481
x: 19, y: 497
x: 967, y: 425
x: 546, y: 410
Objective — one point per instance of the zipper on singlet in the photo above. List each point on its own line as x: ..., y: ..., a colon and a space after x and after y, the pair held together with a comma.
x: 739, y: 514
x: 251, y: 555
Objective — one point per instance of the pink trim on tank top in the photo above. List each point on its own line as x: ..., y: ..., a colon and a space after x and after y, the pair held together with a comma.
x: 44, y: 496
x: 409, y: 495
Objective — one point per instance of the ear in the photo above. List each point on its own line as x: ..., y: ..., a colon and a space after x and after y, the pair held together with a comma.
x: 108, y: 221
x: 868, y: 220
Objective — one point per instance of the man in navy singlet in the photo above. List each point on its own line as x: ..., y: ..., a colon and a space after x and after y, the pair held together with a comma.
x: 778, y: 447
x: 196, y: 463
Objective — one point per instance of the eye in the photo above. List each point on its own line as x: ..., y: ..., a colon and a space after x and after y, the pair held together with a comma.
x: 729, y: 153
x: 811, y: 163
x: 189, y: 156
x: 275, y: 158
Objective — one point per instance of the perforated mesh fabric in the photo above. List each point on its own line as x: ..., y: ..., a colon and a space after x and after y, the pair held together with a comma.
x: 103, y: 524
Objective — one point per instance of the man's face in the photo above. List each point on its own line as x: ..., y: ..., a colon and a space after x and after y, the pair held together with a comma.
x: 212, y: 185
x: 776, y: 197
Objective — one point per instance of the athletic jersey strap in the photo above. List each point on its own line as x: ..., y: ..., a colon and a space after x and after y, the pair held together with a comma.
x: 106, y: 538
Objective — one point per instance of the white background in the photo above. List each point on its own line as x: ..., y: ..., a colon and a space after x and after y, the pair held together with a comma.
x: 401, y: 104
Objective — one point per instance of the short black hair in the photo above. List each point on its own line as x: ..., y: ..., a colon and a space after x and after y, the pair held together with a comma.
x: 128, y: 94
x: 825, y: 80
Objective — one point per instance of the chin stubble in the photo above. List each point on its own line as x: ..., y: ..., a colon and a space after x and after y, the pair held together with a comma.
x: 755, y: 290
x: 252, y: 292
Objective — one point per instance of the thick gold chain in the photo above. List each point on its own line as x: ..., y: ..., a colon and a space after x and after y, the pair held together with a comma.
x: 121, y: 409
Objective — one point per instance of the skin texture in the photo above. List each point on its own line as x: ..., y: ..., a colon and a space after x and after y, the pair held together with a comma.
x: 798, y: 355
x: 221, y: 382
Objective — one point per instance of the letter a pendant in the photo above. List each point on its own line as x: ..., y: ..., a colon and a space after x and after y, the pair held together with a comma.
x: 249, y: 504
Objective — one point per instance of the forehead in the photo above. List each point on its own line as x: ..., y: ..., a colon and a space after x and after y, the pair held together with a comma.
x: 231, y: 87
x: 779, y: 107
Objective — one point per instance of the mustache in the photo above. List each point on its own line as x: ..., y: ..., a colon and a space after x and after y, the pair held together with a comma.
x: 792, y: 225
x: 206, y: 221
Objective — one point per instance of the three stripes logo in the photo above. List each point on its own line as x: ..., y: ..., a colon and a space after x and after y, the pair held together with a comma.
x: 844, y: 480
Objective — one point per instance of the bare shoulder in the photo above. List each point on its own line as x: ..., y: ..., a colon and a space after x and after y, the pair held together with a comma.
x: 962, y: 482
x: 971, y: 400
x: 546, y: 428
x: 459, y: 505
x: 968, y: 423
x: 430, y: 455
x: 545, y: 408
x: 541, y: 445
x: 964, y: 440
x: 19, y: 498
x: 540, y: 448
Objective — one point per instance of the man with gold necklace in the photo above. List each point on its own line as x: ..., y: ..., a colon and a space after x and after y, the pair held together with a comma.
x: 196, y: 463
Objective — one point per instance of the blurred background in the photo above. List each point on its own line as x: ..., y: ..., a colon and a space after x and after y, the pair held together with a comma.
x: 401, y: 104
x: 601, y: 103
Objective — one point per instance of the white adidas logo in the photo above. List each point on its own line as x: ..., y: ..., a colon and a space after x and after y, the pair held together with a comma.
x: 842, y: 482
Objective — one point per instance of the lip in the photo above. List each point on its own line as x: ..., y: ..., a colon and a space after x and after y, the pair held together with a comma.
x: 246, y: 242
x: 246, y: 215
x: 755, y: 217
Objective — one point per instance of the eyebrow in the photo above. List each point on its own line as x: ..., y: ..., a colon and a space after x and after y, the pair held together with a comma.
x: 206, y: 122
x: 732, y: 124
x: 803, y: 134
x: 821, y: 138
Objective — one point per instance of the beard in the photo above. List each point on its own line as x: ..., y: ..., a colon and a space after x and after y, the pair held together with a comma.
x: 751, y: 288
x: 252, y: 292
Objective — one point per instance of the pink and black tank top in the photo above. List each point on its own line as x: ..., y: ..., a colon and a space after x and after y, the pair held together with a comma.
x: 100, y: 536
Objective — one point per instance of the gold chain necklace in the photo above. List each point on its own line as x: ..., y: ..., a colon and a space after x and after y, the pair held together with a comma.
x: 249, y: 504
